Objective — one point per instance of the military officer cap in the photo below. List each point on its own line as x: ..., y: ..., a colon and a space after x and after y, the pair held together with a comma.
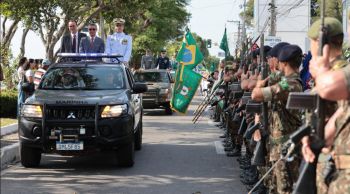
x: 119, y: 21
x: 334, y: 28
x: 290, y: 52
x: 163, y: 51
x: 274, y: 52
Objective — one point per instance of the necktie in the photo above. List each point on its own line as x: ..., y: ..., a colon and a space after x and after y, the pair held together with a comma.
x: 92, y: 42
x: 74, y: 45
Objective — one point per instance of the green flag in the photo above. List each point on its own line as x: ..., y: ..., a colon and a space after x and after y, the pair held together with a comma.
x: 187, y: 81
x: 212, y: 68
x: 224, y: 44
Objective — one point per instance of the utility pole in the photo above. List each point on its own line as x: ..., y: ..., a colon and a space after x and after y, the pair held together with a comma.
x: 238, y: 41
x: 243, y: 33
x: 272, y: 10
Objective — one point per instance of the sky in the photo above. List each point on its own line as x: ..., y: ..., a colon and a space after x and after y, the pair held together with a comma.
x: 208, y: 20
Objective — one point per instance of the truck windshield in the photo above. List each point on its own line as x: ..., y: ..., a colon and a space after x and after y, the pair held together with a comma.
x: 85, y: 78
x: 151, y: 77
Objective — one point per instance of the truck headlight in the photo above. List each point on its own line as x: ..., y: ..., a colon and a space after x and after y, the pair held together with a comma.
x: 114, y: 111
x: 164, y: 91
x: 33, y: 111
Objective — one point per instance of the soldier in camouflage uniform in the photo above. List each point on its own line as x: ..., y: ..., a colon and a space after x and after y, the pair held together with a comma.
x: 284, y: 121
x: 335, y: 37
x: 334, y: 84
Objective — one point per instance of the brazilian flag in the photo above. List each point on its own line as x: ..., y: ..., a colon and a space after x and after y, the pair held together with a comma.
x: 187, y: 80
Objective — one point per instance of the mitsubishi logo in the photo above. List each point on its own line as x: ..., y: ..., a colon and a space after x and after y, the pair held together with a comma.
x: 71, y: 115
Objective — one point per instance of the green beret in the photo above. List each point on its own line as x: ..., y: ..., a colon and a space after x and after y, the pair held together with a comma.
x: 333, y: 25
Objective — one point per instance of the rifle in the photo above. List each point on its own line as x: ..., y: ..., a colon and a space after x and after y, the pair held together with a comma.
x: 260, y: 149
x: 307, y: 179
x: 315, y: 129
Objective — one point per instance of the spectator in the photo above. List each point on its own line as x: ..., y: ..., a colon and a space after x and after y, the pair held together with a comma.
x: 41, y: 72
x: 29, y: 76
x: 20, y: 74
x: 305, y: 73
x: 163, y: 61
x: 92, y: 44
x: 147, y: 60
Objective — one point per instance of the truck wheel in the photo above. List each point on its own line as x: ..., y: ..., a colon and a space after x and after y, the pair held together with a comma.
x: 126, y: 155
x: 138, y: 137
x: 168, y: 110
x: 30, y: 157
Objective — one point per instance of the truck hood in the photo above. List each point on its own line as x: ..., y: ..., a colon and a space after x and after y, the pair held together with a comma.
x: 79, y: 97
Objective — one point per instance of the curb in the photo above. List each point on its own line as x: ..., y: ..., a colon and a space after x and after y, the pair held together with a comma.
x: 9, y: 129
x: 9, y: 154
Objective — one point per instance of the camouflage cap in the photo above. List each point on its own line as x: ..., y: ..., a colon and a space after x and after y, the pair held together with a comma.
x: 333, y: 25
x: 229, y: 67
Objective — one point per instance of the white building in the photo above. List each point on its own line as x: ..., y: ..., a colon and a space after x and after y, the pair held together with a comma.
x: 292, y: 20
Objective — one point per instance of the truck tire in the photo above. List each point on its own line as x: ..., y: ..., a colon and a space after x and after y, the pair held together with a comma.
x: 168, y: 109
x: 126, y: 155
x: 138, y: 136
x: 30, y: 157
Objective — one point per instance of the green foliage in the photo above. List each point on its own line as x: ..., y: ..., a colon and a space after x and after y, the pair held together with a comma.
x: 8, y: 103
x: 212, y: 60
x: 333, y: 9
x: 249, y: 13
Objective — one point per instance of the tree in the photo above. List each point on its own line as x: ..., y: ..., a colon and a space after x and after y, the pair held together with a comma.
x: 248, y: 15
x: 333, y: 9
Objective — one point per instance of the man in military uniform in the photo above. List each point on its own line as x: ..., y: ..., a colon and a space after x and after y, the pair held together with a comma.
x: 147, y: 60
x: 284, y: 121
x: 163, y: 61
x: 333, y: 83
x: 335, y: 37
x: 119, y: 42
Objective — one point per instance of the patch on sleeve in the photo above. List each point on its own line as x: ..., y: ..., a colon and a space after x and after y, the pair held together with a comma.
x: 284, y: 84
x: 267, y: 93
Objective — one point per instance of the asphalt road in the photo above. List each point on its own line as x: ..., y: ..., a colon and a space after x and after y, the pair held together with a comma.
x: 176, y: 158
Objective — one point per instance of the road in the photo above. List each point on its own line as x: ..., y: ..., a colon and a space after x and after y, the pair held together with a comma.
x: 176, y: 158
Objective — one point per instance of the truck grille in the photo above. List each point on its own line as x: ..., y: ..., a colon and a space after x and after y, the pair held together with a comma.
x: 70, y: 113
x: 150, y: 94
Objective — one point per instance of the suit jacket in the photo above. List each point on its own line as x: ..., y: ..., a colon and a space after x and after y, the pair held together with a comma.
x: 66, y: 43
x: 85, y: 46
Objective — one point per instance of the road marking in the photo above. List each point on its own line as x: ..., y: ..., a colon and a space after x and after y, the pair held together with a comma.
x: 219, y: 148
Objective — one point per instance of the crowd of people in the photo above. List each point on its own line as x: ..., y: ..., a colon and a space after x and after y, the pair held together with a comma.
x: 237, y: 89
x: 29, y: 74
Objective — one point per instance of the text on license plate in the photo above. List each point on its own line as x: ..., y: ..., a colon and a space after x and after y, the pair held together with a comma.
x: 69, y: 145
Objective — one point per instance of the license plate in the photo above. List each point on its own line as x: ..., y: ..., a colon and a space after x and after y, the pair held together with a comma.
x: 69, y: 145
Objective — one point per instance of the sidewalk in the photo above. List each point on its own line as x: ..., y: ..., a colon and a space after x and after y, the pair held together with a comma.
x: 9, y: 145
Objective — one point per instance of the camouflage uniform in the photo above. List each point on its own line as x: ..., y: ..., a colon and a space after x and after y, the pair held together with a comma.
x: 331, y: 108
x: 341, y: 146
x: 284, y: 123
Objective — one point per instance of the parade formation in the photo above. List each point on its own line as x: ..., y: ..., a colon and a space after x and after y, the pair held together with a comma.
x: 283, y: 113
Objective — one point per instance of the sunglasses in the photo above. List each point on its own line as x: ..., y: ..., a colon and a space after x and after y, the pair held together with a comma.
x: 92, y: 29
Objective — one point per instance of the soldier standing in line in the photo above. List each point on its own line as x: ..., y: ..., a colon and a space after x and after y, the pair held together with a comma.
x: 120, y: 42
x: 334, y: 84
x: 284, y: 121
x: 335, y: 37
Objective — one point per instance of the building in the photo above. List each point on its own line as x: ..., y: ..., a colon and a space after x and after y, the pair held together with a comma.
x: 292, y: 20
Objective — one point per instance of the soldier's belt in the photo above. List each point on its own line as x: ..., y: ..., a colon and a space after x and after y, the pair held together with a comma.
x: 342, y: 161
x: 278, y: 140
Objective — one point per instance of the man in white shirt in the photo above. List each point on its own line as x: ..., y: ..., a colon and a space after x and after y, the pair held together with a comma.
x: 119, y: 42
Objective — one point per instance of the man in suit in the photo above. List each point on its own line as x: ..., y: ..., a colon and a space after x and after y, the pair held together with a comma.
x: 92, y: 44
x: 70, y: 42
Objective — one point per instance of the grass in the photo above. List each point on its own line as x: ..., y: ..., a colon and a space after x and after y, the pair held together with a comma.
x: 7, y: 121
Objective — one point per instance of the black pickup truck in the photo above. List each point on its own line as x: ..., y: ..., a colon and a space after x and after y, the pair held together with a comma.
x: 160, y: 88
x: 80, y: 107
